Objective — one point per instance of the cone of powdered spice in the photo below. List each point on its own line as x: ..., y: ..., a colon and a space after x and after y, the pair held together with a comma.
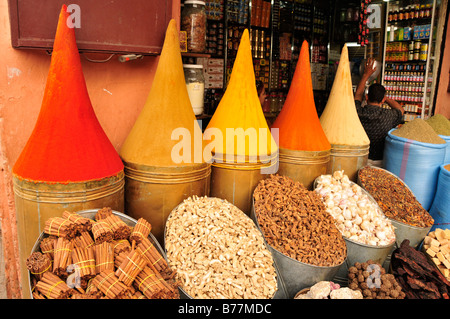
x: 440, y: 124
x: 418, y: 130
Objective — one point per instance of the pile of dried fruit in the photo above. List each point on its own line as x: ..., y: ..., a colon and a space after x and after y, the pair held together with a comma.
x: 294, y: 221
x: 218, y: 252
x: 83, y: 258
x: 417, y: 276
x: 356, y: 215
x: 394, y: 198
x: 371, y: 279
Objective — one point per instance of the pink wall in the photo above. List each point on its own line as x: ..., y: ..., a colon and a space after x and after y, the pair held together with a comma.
x: 117, y: 90
x: 442, y: 96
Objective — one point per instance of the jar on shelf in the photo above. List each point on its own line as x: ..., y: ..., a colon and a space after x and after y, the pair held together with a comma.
x: 195, y: 84
x: 193, y: 21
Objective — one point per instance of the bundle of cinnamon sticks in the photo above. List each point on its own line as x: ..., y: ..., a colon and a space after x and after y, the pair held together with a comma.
x: 100, y: 258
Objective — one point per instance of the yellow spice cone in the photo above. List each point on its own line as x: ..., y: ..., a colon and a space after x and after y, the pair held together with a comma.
x: 339, y: 119
x: 240, y: 108
x: 167, y: 118
x: 250, y: 154
x: 162, y: 154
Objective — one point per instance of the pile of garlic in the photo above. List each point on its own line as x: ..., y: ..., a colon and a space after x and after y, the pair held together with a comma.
x: 356, y: 215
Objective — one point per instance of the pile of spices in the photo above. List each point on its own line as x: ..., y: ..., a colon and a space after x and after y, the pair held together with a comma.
x: 394, y: 197
x: 339, y: 120
x: 240, y: 108
x: 67, y: 143
x: 104, y: 272
x: 294, y: 221
x: 298, y: 122
x: 150, y: 142
x: 418, y: 130
x: 218, y: 252
x: 440, y: 124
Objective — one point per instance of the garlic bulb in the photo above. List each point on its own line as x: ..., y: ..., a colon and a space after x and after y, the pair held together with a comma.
x: 356, y: 215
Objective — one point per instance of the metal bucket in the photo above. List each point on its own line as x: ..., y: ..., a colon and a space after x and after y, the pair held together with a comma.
x: 349, y: 158
x: 304, y: 166
x: 295, y: 274
x: 153, y: 192
x: 236, y: 180
x: 37, y: 202
x: 402, y: 230
x: 359, y: 252
x: 90, y: 213
x: 281, y: 292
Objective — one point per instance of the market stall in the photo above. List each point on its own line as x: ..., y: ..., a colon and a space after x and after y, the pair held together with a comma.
x: 220, y: 213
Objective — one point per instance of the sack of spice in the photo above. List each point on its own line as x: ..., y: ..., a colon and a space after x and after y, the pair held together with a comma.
x: 440, y: 209
x: 441, y: 126
x: 414, y: 153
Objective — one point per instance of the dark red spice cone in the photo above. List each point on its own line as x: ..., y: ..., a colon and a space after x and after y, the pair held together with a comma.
x: 68, y: 143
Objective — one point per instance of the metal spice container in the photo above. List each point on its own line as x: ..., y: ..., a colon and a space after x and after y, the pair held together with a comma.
x: 193, y: 21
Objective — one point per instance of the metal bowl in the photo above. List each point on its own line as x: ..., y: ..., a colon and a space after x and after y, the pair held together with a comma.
x: 281, y: 289
x: 90, y: 213
x: 295, y: 274
x: 359, y: 252
x: 403, y: 231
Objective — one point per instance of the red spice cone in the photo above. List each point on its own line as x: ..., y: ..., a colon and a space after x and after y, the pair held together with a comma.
x: 298, y: 123
x: 68, y: 143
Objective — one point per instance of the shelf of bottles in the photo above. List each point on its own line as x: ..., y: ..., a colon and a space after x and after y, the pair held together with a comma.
x: 408, y: 55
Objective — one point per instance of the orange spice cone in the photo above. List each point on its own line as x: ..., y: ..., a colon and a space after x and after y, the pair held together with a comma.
x: 304, y: 147
x: 163, y: 153
x: 298, y: 122
x: 244, y: 148
x: 68, y: 162
x: 340, y: 122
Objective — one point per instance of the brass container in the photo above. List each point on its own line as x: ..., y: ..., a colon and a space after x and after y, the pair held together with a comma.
x: 349, y: 158
x: 38, y: 201
x: 235, y: 180
x: 304, y: 166
x: 153, y: 192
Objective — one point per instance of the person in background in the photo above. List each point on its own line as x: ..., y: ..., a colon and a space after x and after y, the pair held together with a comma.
x: 376, y: 120
x: 262, y: 94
